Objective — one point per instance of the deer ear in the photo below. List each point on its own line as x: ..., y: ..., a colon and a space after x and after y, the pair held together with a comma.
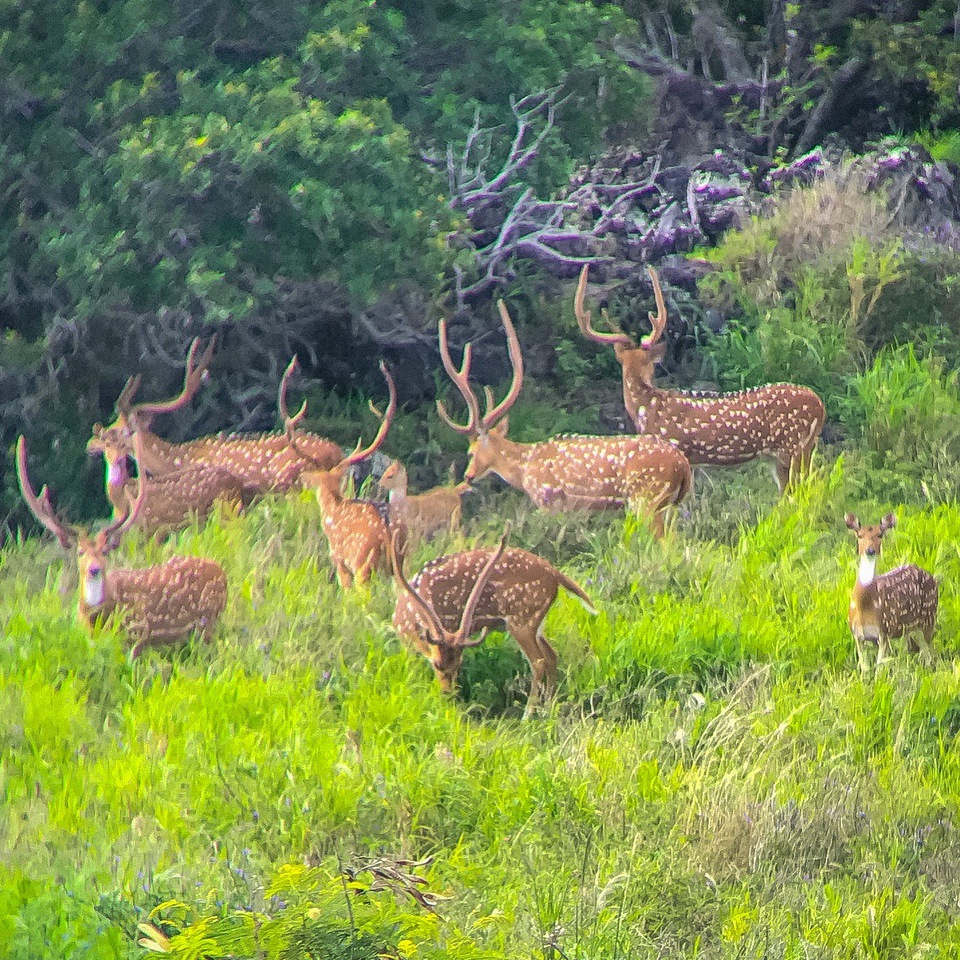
x: 852, y: 522
x: 657, y: 352
x: 500, y: 429
x: 889, y: 521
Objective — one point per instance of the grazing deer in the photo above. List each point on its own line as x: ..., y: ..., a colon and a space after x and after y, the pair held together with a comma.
x: 263, y: 462
x: 564, y: 473
x: 157, y: 605
x: 421, y: 514
x: 356, y: 530
x: 454, y: 596
x: 780, y: 420
x: 174, y: 497
x: 901, y: 603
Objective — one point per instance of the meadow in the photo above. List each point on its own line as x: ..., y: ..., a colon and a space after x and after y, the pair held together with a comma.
x: 714, y: 778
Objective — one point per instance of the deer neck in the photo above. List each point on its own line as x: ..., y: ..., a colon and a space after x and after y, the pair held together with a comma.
x: 509, y: 459
x: 397, y: 496
x: 865, y: 589
x: 117, y: 477
x: 160, y: 456
x: 328, y: 490
x: 637, y: 397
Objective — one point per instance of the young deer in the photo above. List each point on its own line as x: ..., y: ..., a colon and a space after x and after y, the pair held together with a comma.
x: 565, y: 473
x: 157, y: 605
x: 263, y: 462
x: 779, y: 420
x: 356, y: 530
x: 454, y: 596
x: 174, y: 497
x: 901, y: 603
x: 421, y: 514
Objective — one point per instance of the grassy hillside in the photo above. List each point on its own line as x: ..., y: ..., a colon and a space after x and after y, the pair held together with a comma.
x: 714, y: 780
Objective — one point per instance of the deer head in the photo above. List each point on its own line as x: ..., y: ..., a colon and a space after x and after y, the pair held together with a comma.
x: 448, y: 645
x: 639, y: 361
x: 487, y: 432
x: 92, y: 550
x: 870, y: 538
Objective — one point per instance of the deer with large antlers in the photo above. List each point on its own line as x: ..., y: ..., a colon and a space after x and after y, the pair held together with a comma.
x: 175, y: 497
x: 899, y: 604
x: 157, y: 605
x: 421, y: 514
x: 356, y: 530
x: 454, y: 596
x: 780, y: 420
x: 263, y: 462
x: 565, y: 473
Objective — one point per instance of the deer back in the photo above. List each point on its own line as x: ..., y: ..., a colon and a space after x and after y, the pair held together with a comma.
x: 170, y: 600
x: 907, y: 598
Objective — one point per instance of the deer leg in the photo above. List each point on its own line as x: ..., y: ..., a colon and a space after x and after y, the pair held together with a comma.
x: 863, y: 661
x: 529, y: 643
x: 344, y: 575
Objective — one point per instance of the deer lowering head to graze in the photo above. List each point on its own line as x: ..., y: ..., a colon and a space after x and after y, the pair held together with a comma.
x: 421, y: 514
x: 565, y: 473
x: 157, y: 605
x: 780, y: 420
x: 901, y: 603
x: 175, y: 497
x: 455, y: 596
x: 263, y: 462
x: 356, y: 530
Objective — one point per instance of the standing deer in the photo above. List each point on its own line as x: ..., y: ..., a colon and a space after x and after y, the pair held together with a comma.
x: 157, y: 605
x: 780, y: 420
x: 356, y: 530
x: 263, y: 462
x: 174, y: 497
x: 454, y: 596
x: 564, y: 473
x: 421, y: 514
x: 901, y: 603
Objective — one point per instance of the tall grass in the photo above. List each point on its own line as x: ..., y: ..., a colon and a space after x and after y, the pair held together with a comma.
x: 714, y: 779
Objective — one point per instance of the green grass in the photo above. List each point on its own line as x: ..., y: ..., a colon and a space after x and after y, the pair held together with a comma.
x: 714, y: 779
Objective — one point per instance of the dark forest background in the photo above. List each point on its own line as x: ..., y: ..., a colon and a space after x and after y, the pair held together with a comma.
x: 330, y: 179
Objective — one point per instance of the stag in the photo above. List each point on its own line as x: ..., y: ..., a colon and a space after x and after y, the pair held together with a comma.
x: 564, y: 473
x: 899, y: 604
x: 356, y: 530
x: 157, y: 605
x: 454, y: 596
x: 780, y: 420
x: 175, y: 497
x: 263, y: 462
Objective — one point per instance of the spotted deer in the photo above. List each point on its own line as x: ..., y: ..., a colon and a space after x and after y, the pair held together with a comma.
x: 421, y: 514
x: 564, y: 473
x: 264, y: 462
x: 454, y: 596
x: 157, y: 605
x: 780, y: 420
x: 175, y: 497
x: 900, y: 603
x: 356, y: 530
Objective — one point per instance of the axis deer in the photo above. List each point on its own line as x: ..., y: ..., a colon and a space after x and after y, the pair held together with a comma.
x: 356, y: 530
x: 454, y: 596
x: 421, y: 514
x: 900, y: 603
x: 157, y: 605
x: 264, y: 462
x: 564, y: 473
x: 174, y: 497
x: 780, y: 420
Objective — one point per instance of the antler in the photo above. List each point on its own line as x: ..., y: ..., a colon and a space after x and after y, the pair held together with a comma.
x: 461, y: 378
x: 386, y: 420
x: 516, y: 362
x: 194, y: 376
x: 290, y: 423
x: 585, y: 316
x: 40, y: 506
x: 437, y: 634
x: 125, y: 399
x: 110, y: 535
x: 658, y: 321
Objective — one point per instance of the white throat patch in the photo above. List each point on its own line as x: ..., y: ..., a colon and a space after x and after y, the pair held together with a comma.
x: 114, y: 473
x: 93, y: 590
x: 866, y: 571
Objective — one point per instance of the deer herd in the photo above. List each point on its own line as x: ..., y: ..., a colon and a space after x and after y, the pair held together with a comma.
x: 441, y: 609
